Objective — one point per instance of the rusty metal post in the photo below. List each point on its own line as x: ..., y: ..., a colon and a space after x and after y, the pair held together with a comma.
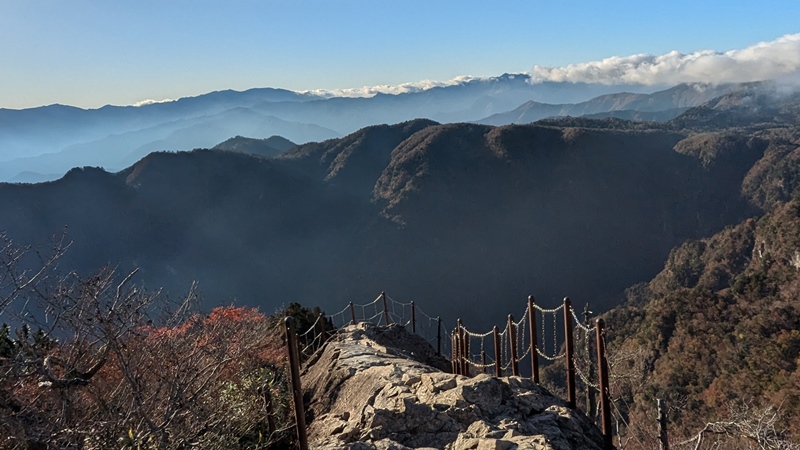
x: 463, y: 340
x: 466, y: 358
x: 498, y: 364
x: 663, y: 439
x: 352, y: 314
x: 512, y: 342
x: 462, y: 360
x: 591, y: 397
x: 483, y: 361
x: 459, y: 358
x: 534, y: 352
x: 413, y: 318
x: 569, y: 350
x: 297, y: 393
x: 385, y: 309
x: 438, y: 336
x: 605, y: 400
x: 453, y: 352
x: 460, y: 351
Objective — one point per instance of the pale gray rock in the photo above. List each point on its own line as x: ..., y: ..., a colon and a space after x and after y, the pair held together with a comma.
x: 378, y: 388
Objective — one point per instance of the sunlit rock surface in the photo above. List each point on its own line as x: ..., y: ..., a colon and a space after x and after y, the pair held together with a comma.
x: 377, y: 388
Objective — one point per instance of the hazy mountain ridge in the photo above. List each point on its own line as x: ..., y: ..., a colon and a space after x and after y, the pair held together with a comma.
x: 120, y: 150
x: 37, y: 124
x: 269, y: 147
x: 354, y: 162
x: 752, y: 106
x: 45, y: 133
x: 669, y: 103
x: 49, y: 140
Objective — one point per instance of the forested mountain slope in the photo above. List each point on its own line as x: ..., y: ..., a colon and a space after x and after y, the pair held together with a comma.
x: 715, y: 333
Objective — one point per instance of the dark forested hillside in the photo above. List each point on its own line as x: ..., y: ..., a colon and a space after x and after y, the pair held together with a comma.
x: 716, y: 332
x: 269, y: 147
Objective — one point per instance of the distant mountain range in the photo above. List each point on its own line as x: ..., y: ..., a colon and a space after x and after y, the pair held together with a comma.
x: 43, y: 143
x: 119, y: 150
x: 658, y: 106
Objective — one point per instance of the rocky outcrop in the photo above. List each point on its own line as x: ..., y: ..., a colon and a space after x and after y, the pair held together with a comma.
x: 377, y: 388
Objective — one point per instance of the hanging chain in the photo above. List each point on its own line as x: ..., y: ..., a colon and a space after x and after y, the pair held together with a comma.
x: 540, y: 350
x: 544, y: 335
x: 521, y: 334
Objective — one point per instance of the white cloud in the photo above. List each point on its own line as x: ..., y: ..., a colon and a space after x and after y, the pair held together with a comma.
x: 778, y: 59
x: 369, y: 91
x: 774, y: 60
x: 152, y: 102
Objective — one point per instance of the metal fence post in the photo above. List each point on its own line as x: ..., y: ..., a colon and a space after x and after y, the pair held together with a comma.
x: 465, y: 353
x: 498, y: 364
x: 605, y: 400
x: 413, y: 318
x: 512, y: 341
x: 385, y: 309
x: 453, y: 347
x: 459, y: 357
x: 297, y: 393
x: 463, y: 349
x: 534, y: 352
x: 591, y: 397
x: 569, y: 350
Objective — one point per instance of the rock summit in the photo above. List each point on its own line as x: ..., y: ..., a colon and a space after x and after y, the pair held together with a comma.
x: 379, y: 387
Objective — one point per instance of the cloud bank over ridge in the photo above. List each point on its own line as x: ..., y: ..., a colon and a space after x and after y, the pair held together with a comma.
x: 778, y: 60
x: 772, y: 60
x: 152, y: 102
x: 369, y: 91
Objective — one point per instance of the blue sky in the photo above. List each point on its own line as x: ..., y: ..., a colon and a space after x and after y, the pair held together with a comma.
x: 90, y: 53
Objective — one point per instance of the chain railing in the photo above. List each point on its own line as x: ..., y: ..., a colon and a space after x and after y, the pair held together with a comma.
x: 468, y: 349
x: 383, y: 310
x: 518, y: 341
